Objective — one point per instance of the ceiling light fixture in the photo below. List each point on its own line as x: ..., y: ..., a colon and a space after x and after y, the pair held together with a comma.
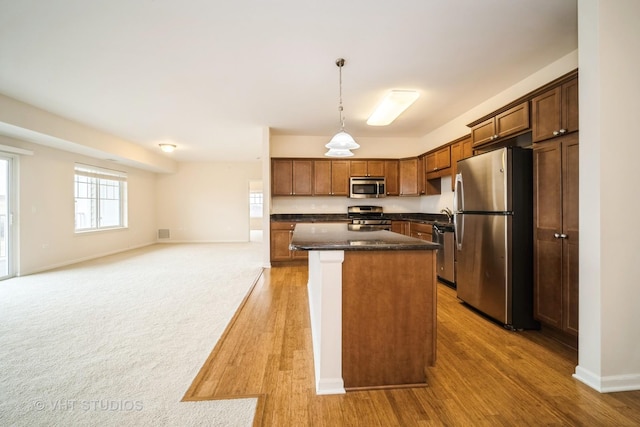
x: 341, y: 143
x: 393, y: 104
x: 167, y: 148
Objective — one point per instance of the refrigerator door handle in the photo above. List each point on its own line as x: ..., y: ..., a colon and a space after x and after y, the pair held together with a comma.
x: 458, y: 205
x: 458, y: 194
x: 458, y: 227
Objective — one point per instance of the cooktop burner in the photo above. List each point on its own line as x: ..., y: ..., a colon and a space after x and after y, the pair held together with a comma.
x: 367, y: 218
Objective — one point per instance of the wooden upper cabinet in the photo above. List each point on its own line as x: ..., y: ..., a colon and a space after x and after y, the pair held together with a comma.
x: 340, y: 177
x: 367, y: 167
x: 438, y: 162
x: 322, y: 177
x: 331, y: 177
x: 511, y: 122
x: 421, y: 175
x: 291, y: 177
x: 460, y: 149
x: 409, y: 177
x: 484, y: 133
x: 555, y: 112
x: 302, y: 177
x: 391, y: 173
x: 282, y: 177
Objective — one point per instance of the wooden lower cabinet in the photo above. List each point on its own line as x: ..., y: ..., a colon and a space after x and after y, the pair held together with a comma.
x: 400, y: 227
x: 281, y: 233
x: 388, y: 318
x: 556, y: 235
x: 421, y: 231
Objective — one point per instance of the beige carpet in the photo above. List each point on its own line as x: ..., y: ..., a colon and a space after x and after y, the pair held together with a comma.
x: 117, y: 341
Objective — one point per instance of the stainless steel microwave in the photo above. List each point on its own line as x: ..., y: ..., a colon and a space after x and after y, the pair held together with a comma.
x: 367, y: 187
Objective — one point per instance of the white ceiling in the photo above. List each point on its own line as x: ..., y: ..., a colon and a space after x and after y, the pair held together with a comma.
x: 208, y: 75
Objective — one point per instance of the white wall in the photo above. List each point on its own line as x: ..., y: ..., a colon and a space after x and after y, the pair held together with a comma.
x: 314, y: 146
x: 206, y: 202
x: 46, y: 210
x: 609, y: 341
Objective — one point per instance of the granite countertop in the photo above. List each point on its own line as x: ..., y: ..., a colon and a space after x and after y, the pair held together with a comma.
x: 428, y: 218
x: 337, y: 236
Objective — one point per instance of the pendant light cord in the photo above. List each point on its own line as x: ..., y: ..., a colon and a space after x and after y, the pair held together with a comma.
x: 340, y: 64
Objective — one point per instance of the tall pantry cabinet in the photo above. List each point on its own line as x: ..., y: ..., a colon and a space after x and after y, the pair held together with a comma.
x: 556, y: 234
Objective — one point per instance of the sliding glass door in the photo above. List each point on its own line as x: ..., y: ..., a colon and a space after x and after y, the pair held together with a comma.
x: 6, y: 268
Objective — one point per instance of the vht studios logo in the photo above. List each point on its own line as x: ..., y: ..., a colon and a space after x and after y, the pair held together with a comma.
x: 112, y: 405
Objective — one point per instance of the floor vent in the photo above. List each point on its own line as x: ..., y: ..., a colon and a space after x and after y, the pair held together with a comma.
x: 163, y: 233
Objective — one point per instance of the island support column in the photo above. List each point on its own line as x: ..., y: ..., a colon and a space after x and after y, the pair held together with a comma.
x: 325, y: 306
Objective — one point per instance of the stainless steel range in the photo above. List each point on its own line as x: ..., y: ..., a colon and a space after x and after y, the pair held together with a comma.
x: 367, y: 218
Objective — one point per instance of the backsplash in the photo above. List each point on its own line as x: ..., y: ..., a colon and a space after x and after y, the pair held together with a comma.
x: 338, y: 205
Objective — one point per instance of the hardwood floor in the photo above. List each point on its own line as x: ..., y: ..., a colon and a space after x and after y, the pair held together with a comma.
x: 483, y: 375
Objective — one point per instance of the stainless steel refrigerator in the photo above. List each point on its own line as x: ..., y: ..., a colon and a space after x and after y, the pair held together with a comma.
x: 493, y: 217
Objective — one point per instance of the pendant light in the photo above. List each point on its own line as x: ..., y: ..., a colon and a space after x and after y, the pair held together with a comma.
x: 342, y: 143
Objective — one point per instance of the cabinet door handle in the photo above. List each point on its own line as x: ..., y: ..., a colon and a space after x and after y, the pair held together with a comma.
x: 562, y: 131
x: 556, y: 133
x: 560, y: 236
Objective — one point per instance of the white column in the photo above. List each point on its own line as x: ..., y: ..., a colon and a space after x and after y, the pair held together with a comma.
x: 609, y: 65
x: 325, y: 307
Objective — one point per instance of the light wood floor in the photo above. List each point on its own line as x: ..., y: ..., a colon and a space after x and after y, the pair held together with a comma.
x: 484, y: 375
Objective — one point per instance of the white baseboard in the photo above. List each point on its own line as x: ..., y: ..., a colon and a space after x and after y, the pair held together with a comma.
x: 82, y: 259
x: 330, y: 386
x: 608, y: 384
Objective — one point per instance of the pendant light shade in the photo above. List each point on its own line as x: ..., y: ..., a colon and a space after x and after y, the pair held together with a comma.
x: 341, y: 143
x: 338, y: 152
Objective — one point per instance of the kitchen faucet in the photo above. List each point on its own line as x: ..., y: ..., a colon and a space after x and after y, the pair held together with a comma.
x: 448, y: 213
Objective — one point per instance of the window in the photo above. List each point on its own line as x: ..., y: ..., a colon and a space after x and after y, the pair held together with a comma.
x: 100, y: 198
x: 255, y: 204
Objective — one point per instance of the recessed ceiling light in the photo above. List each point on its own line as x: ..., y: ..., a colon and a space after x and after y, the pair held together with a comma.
x: 393, y: 104
x: 167, y: 148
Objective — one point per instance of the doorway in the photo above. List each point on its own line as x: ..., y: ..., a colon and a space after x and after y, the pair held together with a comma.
x: 255, y: 211
x: 6, y: 219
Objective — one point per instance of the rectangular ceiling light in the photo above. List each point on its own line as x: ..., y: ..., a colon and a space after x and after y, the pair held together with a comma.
x: 393, y: 104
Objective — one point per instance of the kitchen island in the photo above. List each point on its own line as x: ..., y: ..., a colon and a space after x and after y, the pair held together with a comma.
x: 372, y: 301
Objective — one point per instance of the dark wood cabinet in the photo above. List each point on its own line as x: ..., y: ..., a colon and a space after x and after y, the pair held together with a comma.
x: 421, y: 231
x: 556, y: 234
x: 367, y: 167
x: 331, y: 177
x: 438, y: 162
x: 281, y: 234
x: 409, y: 170
x: 281, y: 177
x: 391, y: 173
x: 340, y: 177
x: 401, y: 227
x: 291, y: 177
x: 508, y: 123
x: 322, y: 177
x: 460, y: 149
x: 302, y: 177
x: 555, y: 112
